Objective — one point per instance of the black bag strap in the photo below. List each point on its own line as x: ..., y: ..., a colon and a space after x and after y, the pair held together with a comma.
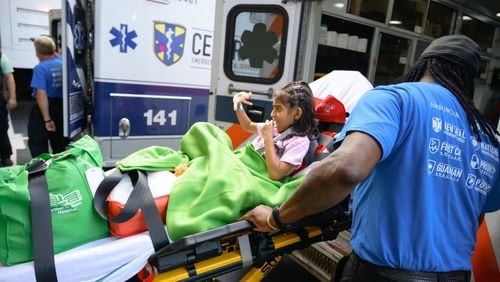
x: 41, y: 222
x: 140, y: 198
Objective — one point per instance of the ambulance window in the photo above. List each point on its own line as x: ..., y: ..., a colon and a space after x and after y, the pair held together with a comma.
x: 255, y: 43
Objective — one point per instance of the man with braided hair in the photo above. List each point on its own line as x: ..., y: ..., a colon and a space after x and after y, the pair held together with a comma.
x: 424, y: 166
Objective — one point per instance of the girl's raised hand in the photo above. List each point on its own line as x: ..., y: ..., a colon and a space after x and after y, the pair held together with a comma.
x: 241, y: 97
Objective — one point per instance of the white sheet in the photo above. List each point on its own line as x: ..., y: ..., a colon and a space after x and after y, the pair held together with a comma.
x: 107, y: 259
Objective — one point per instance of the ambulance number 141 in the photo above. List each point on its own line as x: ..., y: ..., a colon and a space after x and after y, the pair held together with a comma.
x: 160, y: 118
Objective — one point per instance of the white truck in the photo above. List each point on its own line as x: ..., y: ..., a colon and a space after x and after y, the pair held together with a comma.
x: 20, y: 21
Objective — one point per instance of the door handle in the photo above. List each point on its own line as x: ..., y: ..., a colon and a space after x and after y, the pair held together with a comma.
x: 269, y: 93
x: 124, y: 127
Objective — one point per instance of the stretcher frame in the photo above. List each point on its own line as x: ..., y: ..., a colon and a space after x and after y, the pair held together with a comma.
x: 236, y: 246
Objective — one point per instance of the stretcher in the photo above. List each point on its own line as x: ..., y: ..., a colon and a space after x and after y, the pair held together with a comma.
x: 236, y: 246
x: 211, y: 253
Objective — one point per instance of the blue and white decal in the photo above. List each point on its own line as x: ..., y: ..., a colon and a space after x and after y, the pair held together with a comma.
x: 73, y: 32
x: 123, y: 38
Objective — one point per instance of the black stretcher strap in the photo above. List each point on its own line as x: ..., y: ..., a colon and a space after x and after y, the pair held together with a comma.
x: 41, y: 224
x: 140, y: 198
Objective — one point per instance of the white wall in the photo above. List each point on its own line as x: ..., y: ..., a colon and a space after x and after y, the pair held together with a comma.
x: 21, y: 20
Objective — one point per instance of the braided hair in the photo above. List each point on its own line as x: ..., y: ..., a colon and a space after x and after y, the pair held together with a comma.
x: 299, y: 94
x: 460, y: 83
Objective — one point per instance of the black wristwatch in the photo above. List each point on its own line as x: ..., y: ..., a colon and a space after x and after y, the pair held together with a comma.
x: 277, y: 220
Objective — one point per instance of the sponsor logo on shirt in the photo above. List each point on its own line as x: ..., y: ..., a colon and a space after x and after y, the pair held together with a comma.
x: 483, y: 166
x: 477, y: 184
x: 437, y: 124
x: 444, y: 109
x: 434, y: 145
x: 475, y: 143
x: 451, y: 151
x: 446, y: 149
x: 489, y: 150
x: 431, y: 165
x: 443, y: 170
x: 454, y: 132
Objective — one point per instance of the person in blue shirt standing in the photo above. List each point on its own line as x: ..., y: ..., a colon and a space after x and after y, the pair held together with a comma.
x: 423, y: 165
x: 46, y: 118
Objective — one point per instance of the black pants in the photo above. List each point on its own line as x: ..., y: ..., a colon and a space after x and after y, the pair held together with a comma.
x: 5, y: 147
x: 39, y: 137
x: 359, y: 270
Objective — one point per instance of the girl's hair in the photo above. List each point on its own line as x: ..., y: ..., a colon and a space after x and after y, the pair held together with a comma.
x: 460, y: 82
x: 298, y: 93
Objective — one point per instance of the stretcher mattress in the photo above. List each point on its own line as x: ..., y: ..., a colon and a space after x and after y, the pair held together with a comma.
x: 107, y: 259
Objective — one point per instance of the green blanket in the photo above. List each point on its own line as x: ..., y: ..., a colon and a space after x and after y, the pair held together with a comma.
x: 220, y: 184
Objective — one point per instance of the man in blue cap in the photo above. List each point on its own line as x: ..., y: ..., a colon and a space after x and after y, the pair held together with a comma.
x: 423, y: 165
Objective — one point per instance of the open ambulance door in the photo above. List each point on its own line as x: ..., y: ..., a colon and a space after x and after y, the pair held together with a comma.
x: 73, y: 47
x: 255, y: 50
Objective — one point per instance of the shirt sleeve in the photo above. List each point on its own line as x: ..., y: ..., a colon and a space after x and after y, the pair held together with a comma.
x: 38, y: 80
x: 295, y: 150
x: 378, y: 114
x: 5, y: 65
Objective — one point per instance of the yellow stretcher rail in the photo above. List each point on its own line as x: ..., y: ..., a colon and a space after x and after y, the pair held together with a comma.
x: 216, y: 252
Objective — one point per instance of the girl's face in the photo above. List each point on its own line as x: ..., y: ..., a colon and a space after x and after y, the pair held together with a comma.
x: 284, y: 116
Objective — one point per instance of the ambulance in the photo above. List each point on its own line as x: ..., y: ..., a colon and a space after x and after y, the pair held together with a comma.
x: 136, y: 72
x: 141, y: 72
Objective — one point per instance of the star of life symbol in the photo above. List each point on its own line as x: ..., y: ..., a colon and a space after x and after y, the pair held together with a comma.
x: 437, y: 124
x: 431, y: 165
x: 79, y: 37
x: 123, y: 38
x: 434, y: 145
x: 471, y: 180
x: 474, y: 161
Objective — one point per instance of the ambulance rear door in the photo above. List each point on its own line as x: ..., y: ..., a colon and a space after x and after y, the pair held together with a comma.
x: 73, y: 48
x: 255, y: 49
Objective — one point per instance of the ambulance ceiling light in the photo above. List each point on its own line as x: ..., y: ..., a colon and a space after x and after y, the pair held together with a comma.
x: 395, y: 22
x: 466, y: 18
x: 339, y: 5
x: 498, y: 14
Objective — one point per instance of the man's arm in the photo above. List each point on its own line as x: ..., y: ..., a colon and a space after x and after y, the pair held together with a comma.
x: 43, y: 104
x: 327, y: 184
x: 11, y: 87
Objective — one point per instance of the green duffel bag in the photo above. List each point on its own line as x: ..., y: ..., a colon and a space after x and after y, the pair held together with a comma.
x: 74, y: 220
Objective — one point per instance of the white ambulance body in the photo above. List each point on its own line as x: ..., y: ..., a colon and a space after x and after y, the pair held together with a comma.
x: 142, y: 66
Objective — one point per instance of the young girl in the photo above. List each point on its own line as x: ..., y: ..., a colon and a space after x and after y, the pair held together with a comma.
x: 284, y: 141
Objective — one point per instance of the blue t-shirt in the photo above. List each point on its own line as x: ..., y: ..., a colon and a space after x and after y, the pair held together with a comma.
x: 47, y: 75
x: 418, y: 209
